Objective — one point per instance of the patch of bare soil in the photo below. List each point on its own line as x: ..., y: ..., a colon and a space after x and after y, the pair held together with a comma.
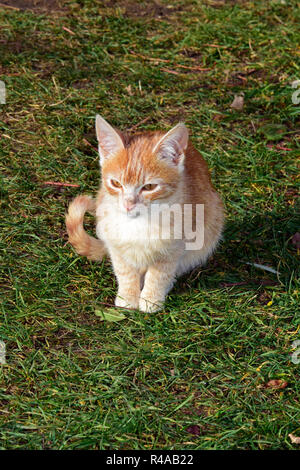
x: 149, y: 9
x: 20, y: 44
x: 33, y: 5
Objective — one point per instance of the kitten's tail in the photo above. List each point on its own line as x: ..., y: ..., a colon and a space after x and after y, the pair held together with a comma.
x: 83, y: 243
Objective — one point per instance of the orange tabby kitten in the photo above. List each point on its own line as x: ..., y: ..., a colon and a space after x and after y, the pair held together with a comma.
x: 153, y: 184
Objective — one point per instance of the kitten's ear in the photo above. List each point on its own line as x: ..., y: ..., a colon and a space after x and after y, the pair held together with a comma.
x: 172, y: 145
x: 109, y: 140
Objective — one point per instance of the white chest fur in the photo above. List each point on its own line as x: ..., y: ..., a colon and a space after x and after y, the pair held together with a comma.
x: 136, y: 238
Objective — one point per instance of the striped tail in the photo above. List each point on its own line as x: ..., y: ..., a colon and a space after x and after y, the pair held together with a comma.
x: 83, y: 243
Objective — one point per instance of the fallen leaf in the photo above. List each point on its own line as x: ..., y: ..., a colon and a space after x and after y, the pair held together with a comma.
x: 238, y: 102
x: 109, y: 315
x: 277, y: 384
x: 294, y: 439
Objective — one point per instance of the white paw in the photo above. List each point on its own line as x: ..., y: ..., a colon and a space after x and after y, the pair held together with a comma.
x: 127, y: 303
x: 149, y: 306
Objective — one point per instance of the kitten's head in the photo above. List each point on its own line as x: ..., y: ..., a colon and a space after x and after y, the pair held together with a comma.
x: 144, y: 170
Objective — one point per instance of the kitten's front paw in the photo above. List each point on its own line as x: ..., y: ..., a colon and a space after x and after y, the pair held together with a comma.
x: 127, y: 303
x: 146, y: 305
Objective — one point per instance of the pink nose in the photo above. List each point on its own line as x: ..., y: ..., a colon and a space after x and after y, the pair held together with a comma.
x: 129, y: 205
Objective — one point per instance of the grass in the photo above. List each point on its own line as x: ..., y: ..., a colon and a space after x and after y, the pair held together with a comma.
x: 197, y: 375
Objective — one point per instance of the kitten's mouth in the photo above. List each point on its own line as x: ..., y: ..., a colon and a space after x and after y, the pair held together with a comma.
x: 138, y: 211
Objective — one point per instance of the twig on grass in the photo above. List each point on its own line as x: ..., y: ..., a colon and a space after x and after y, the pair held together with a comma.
x: 279, y: 147
x: 68, y: 30
x: 133, y: 128
x: 89, y: 144
x: 57, y: 183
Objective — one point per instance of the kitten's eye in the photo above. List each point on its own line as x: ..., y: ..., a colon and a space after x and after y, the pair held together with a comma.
x: 149, y: 187
x: 115, y: 184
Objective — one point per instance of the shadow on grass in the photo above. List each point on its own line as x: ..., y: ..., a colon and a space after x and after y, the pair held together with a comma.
x: 263, y: 239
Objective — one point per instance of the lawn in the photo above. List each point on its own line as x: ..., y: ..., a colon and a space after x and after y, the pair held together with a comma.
x: 214, y: 369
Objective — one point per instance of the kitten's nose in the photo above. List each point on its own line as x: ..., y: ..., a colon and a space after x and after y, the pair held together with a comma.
x: 129, y: 204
